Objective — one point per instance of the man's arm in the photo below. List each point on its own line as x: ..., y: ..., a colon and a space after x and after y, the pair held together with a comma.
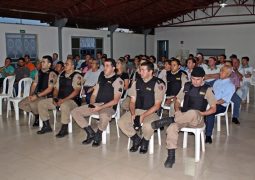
x: 212, y: 76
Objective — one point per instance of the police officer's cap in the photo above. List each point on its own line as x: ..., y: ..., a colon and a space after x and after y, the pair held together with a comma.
x: 198, y: 72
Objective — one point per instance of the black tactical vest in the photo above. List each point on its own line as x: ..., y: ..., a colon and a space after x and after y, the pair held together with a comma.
x: 66, y: 88
x: 145, y: 98
x: 106, y: 91
x: 174, y: 83
x: 194, y: 97
x: 43, y: 79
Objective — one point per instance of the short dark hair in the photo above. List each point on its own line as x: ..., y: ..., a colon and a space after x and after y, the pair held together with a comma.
x: 149, y: 65
x: 61, y: 63
x: 191, y: 59
x: 112, y: 61
x: 154, y: 58
x: 233, y: 56
x: 10, y: 59
x: 22, y: 59
x: 223, y: 55
x: 49, y: 58
x: 26, y: 55
x: 201, y: 54
x: 246, y: 57
x: 213, y: 58
x: 168, y: 61
x: 177, y: 61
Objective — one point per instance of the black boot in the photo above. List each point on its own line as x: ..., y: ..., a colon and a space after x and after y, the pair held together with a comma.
x: 144, y: 146
x: 162, y: 122
x: 90, y: 135
x: 63, y: 131
x: 136, y: 143
x: 36, y: 122
x: 235, y: 120
x: 170, y: 158
x: 46, y: 128
x: 97, y: 138
x: 208, y: 139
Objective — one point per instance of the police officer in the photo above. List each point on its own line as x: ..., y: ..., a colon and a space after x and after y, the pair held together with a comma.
x: 65, y: 96
x: 42, y: 87
x: 146, y: 96
x: 196, y: 95
x: 175, y: 79
x: 103, y: 101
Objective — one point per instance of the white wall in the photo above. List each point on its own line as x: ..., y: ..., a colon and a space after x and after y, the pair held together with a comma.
x: 132, y: 44
x: 236, y: 39
x: 47, y: 38
x: 123, y: 43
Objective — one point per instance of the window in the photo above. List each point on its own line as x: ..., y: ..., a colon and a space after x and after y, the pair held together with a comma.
x: 17, y: 45
x: 86, y: 45
x: 162, y: 49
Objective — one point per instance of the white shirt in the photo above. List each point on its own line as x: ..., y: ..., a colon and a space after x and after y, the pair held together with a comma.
x: 208, y: 70
x: 91, y: 77
x: 244, y: 71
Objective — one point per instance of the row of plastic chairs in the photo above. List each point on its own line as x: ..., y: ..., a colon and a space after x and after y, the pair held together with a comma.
x: 23, y: 91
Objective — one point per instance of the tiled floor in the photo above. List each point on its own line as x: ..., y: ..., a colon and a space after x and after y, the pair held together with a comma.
x: 26, y: 155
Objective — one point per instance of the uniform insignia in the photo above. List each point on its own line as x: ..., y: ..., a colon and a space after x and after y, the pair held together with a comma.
x: 149, y: 89
x: 109, y: 82
x: 120, y: 89
x: 201, y: 93
x: 51, y: 81
x: 178, y: 78
x: 121, y: 82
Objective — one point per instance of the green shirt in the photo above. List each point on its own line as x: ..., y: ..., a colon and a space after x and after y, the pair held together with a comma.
x: 7, y: 70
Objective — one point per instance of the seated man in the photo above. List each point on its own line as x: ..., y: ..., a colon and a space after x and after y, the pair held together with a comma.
x: 176, y: 79
x: 146, y: 96
x: 6, y: 70
x: 223, y: 90
x: 65, y: 96
x: 246, y: 71
x: 59, y: 67
x: 42, y: 87
x: 91, y: 78
x: 211, y: 71
x: 104, y: 99
x: 20, y: 72
x: 196, y: 96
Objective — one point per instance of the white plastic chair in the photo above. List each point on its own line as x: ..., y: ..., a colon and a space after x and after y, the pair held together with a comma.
x: 198, y: 132
x: 9, y: 93
x: 164, y: 107
x: 115, y: 116
x: 218, y: 117
x: 22, y: 93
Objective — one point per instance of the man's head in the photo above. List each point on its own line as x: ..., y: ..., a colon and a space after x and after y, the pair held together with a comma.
x: 191, y: 63
x: 197, y: 76
x: 222, y: 58
x: 77, y: 57
x: 99, y: 55
x: 69, y: 65
x: 175, y: 65
x: 109, y: 66
x: 94, y: 64
x: 167, y: 65
x: 235, y: 63
x: 59, y: 67
x: 245, y: 61
x: 212, y: 62
x: 146, y: 70
x: 87, y: 57
x: 54, y: 56
x: 225, y: 72
x: 27, y: 58
x: 152, y: 59
x: 7, y: 61
x: 21, y: 62
x: 46, y: 62
x: 228, y: 63
x: 200, y: 58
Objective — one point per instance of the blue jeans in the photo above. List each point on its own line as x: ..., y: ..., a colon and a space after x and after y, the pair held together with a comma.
x: 237, y: 103
x: 211, y: 118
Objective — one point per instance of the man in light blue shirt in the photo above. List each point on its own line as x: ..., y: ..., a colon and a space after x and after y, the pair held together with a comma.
x: 223, y: 90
